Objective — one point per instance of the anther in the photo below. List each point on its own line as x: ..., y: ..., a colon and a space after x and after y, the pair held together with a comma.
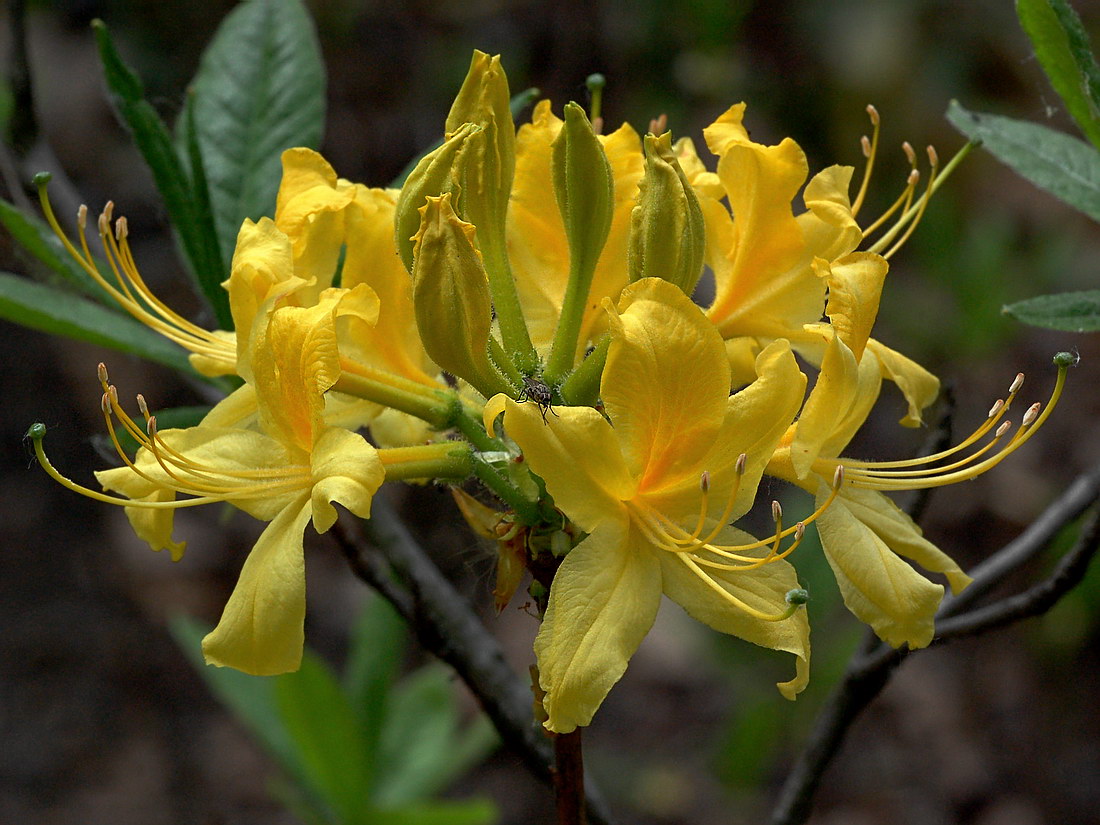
x: 910, y: 155
x: 82, y: 217
x: 996, y: 408
x: 122, y: 229
x: 799, y: 531
x: 143, y: 406
x: 838, y: 476
x: 777, y: 511
x: 872, y: 113
x: 1004, y: 428
x: 101, y: 371
x: 914, y: 178
x: 740, y: 465
x: 659, y: 124
x: 104, y: 223
x: 105, y: 403
x: 1031, y: 414
x: 151, y: 426
x: 933, y: 156
x: 704, y: 481
x: 109, y: 210
x: 865, y: 145
x: 1017, y: 382
x: 113, y: 393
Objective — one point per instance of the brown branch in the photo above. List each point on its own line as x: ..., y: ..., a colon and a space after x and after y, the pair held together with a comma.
x: 569, y: 778
x: 447, y: 626
x: 871, y: 667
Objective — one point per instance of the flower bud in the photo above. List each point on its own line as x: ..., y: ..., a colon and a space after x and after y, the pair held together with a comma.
x: 451, y: 296
x: 433, y: 176
x: 667, y: 236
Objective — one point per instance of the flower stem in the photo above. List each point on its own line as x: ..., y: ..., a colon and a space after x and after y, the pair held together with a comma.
x: 569, y: 778
x: 449, y: 459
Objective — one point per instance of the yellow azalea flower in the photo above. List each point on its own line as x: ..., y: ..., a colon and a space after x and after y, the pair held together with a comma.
x: 865, y: 536
x: 653, y: 484
x: 538, y: 249
x: 288, y: 474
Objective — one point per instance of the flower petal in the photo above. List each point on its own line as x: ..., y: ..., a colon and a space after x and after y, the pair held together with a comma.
x: 347, y: 470
x: 764, y: 589
x: 665, y: 384
x: 577, y: 454
x: 261, y: 629
x: 878, y: 587
x: 918, y: 385
x: 603, y: 602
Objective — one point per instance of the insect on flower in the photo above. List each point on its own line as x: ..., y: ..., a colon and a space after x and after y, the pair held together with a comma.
x: 536, y: 391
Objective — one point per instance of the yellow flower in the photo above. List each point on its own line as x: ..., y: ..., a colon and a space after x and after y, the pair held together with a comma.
x: 288, y: 474
x: 865, y: 536
x: 653, y: 485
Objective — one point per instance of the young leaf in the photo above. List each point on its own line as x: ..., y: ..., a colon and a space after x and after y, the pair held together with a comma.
x: 1063, y: 165
x: 250, y: 698
x: 1062, y: 47
x: 326, y: 735
x: 466, y: 812
x: 1067, y: 311
x: 195, y: 236
x: 260, y: 89
x: 51, y: 310
x: 422, y: 749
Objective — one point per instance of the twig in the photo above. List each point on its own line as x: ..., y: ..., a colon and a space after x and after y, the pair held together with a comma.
x: 447, y: 627
x: 870, y: 669
x: 569, y: 778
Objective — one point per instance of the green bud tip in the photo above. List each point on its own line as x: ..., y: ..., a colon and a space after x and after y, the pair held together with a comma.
x: 36, y: 431
x: 798, y: 596
x: 1066, y: 359
x: 41, y: 179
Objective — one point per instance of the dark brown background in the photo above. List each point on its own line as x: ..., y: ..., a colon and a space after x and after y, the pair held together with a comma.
x: 102, y: 721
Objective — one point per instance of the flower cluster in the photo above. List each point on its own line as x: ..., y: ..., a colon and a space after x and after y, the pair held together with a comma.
x: 520, y: 312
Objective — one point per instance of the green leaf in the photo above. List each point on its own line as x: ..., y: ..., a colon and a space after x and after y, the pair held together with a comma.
x: 1063, y: 49
x: 1063, y: 165
x: 250, y: 698
x: 260, y: 89
x: 421, y: 750
x: 194, y: 234
x: 1067, y: 311
x: 325, y: 731
x: 466, y: 812
x: 375, y: 651
x: 51, y: 310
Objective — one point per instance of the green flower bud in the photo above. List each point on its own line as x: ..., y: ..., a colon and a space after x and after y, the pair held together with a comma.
x: 451, y: 297
x: 667, y: 235
x: 433, y: 176
x: 585, y: 191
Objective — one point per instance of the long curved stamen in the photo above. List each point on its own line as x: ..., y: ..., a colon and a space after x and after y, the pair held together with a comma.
x: 704, y: 508
x: 914, y: 474
x: 37, y: 433
x: 738, y: 603
x: 870, y: 150
x: 130, y: 290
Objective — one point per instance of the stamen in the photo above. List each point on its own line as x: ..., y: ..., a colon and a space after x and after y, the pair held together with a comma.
x: 870, y: 149
x: 736, y: 602
x: 926, y: 472
x: 659, y: 124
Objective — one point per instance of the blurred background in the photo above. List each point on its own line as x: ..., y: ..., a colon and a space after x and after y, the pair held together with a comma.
x: 103, y: 720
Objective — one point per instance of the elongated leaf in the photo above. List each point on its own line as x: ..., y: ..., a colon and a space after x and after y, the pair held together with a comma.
x: 1067, y: 311
x: 250, y: 698
x: 51, y: 310
x: 195, y: 236
x: 260, y: 89
x: 325, y: 731
x: 1066, y: 167
x: 466, y: 812
x: 1062, y: 47
x: 374, y: 653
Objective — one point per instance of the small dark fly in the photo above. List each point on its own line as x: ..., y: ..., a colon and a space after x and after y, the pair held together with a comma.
x: 536, y: 391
